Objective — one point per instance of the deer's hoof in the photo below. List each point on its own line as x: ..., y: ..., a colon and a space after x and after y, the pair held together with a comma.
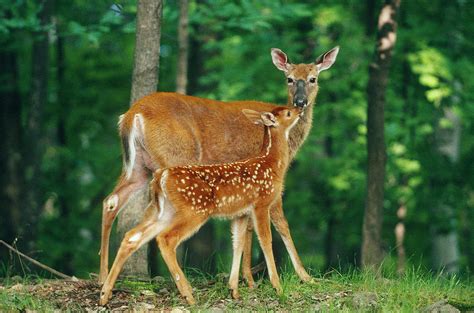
x: 251, y: 283
x: 190, y: 300
x: 235, y: 294
x: 104, y: 297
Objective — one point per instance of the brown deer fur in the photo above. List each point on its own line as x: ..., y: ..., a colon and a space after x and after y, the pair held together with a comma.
x: 185, y: 197
x: 167, y: 129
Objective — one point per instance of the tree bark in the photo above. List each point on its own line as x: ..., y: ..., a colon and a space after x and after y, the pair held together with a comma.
x: 144, y: 82
x: 372, y: 254
x: 33, y: 135
x: 369, y: 18
x: 64, y: 197
x: 183, y: 42
x: 10, y: 155
x: 445, y: 241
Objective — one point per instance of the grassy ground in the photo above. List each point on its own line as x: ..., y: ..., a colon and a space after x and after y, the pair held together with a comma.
x: 354, y: 292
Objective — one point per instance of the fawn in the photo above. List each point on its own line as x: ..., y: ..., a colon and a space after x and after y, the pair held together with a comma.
x: 185, y: 197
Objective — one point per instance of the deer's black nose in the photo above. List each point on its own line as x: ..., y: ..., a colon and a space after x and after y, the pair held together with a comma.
x: 300, y: 102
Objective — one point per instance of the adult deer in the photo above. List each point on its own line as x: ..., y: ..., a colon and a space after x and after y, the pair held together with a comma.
x: 185, y: 197
x: 167, y: 129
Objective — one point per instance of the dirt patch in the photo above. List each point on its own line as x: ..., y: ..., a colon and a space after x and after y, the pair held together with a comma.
x: 83, y: 295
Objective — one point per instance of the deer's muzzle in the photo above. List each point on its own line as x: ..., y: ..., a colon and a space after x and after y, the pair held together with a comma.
x: 300, y: 99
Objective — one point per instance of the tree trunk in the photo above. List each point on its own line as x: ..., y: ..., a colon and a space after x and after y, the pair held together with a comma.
x: 372, y: 253
x: 10, y: 155
x: 369, y: 17
x: 64, y: 196
x: 33, y: 135
x: 147, y: 49
x: 144, y: 82
x: 445, y: 238
x: 182, y: 73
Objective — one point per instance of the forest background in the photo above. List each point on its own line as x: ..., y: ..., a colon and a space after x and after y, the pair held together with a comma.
x: 65, y: 78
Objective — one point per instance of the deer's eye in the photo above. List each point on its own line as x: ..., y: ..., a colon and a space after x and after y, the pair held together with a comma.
x: 290, y: 80
x: 312, y: 80
x: 288, y: 114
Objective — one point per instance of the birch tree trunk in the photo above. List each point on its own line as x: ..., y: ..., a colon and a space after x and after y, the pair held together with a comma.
x: 372, y: 254
x: 144, y: 82
x: 445, y: 238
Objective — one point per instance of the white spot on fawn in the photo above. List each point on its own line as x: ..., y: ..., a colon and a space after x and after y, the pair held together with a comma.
x: 112, y: 203
x: 161, y: 200
x: 135, y: 237
x: 177, y: 277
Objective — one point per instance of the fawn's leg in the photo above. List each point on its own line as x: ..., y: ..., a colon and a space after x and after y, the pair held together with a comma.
x: 281, y: 225
x: 247, y: 256
x: 239, y: 230
x: 148, y: 228
x: 112, y: 206
x: 178, y: 230
x: 261, y: 221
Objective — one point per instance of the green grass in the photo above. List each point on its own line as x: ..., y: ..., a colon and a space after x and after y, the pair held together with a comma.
x: 22, y: 302
x: 349, y: 292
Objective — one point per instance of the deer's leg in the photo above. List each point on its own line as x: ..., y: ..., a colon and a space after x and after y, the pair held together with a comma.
x: 148, y: 228
x: 112, y: 206
x: 281, y: 225
x: 169, y: 240
x: 239, y: 230
x: 247, y: 256
x: 261, y: 221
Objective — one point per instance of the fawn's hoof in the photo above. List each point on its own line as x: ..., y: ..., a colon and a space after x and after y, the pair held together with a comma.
x: 103, y: 300
x: 104, y: 297
x: 190, y: 300
x: 279, y: 290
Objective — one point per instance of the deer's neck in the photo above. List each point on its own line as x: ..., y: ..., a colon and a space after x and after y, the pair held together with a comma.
x: 275, y: 148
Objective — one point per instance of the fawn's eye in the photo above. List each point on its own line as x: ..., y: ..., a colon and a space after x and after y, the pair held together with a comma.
x: 290, y: 80
x: 312, y: 80
x: 288, y: 114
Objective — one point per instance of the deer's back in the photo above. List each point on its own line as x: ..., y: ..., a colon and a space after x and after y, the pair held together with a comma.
x: 183, y: 129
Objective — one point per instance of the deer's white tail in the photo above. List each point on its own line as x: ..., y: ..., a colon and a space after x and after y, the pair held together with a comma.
x: 132, y: 136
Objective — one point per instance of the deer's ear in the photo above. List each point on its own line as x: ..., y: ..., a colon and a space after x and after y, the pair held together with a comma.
x: 280, y: 59
x: 326, y: 60
x: 253, y: 116
x: 268, y: 119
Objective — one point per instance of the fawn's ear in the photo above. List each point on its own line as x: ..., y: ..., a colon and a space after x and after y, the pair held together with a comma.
x: 326, y: 60
x: 253, y: 116
x: 268, y: 119
x: 280, y: 59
